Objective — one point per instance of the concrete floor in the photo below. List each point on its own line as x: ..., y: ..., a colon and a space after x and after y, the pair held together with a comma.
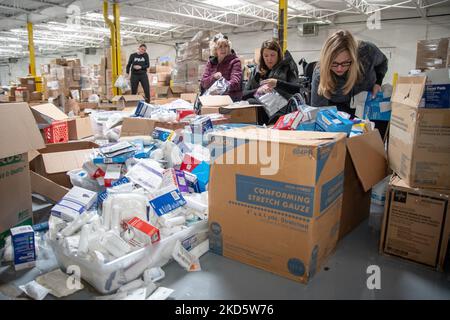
x: 344, y: 276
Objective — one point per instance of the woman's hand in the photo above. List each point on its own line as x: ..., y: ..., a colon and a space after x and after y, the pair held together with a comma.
x: 376, y: 88
x: 217, y: 75
x: 137, y: 67
x: 271, y: 83
x: 263, y: 89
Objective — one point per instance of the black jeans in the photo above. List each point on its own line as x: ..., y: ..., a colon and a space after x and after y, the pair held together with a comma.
x: 143, y: 79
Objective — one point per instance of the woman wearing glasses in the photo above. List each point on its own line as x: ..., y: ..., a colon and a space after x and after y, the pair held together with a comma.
x: 345, y: 69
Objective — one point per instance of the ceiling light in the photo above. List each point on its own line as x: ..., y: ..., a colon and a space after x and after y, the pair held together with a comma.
x: 154, y: 23
x: 221, y: 3
x: 99, y: 16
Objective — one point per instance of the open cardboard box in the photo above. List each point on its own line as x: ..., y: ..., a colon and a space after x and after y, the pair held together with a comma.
x: 18, y: 135
x: 55, y: 160
x: 365, y: 166
x: 46, y: 113
x: 223, y: 105
x: 127, y: 100
x: 79, y: 128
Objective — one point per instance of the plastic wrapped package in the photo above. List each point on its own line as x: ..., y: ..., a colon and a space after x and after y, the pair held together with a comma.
x: 272, y: 102
x: 219, y: 87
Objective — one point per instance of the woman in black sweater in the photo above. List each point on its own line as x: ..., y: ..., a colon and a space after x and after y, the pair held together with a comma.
x: 138, y: 63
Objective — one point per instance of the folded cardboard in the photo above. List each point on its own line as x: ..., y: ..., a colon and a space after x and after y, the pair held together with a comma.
x: 129, y: 100
x: 418, y: 137
x: 224, y: 104
x: 46, y: 113
x: 416, y: 225
x: 79, y: 128
x: 55, y: 160
x: 278, y: 210
x: 46, y: 187
x: 365, y: 166
x: 18, y: 135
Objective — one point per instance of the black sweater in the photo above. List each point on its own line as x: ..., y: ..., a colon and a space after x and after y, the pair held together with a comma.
x: 138, y: 59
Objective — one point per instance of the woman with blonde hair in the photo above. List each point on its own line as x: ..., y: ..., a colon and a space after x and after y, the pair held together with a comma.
x: 223, y: 64
x: 346, y: 68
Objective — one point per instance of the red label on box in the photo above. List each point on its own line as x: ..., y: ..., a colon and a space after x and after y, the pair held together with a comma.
x: 189, y: 163
x: 143, y: 228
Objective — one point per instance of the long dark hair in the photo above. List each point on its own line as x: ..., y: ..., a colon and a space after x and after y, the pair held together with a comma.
x: 271, y: 45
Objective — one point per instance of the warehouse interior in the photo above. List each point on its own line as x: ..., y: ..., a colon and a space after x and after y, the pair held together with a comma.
x: 115, y: 188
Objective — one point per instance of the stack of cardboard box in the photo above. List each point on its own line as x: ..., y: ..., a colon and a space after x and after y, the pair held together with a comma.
x: 106, y: 84
x: 433, y: 54
x: 191, y: 63
x: 61, y: 77
x: 416, y: 222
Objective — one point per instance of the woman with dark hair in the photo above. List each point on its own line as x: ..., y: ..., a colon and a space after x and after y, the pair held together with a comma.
x: 140, y: 62
x: 272, y: 64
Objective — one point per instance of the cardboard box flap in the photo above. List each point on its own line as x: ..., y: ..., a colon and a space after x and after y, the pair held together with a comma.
x: 409, y: 90
x: 398, y: 182
x: 32, y: 154
x: 133, y: 97
x: 51, y: 111
x: 226, y: 109
x: 137, y: 127
x: 57, y: 162
x: 368, y: 157
x: 309, y: 138
x: 46, y: 187
x: 18, y: 130
x: 69, y: 146
x: 215, y: 101
x: 116, y: 98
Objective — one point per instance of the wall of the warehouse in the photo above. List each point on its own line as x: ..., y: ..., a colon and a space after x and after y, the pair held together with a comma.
x: 397, y: 39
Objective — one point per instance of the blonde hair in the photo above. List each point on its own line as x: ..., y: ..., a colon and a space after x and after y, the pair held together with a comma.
x: 337, y: 43
x: 217, y: 42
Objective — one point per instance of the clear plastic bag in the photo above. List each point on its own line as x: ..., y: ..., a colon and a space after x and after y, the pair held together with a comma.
x: 122, y: 83
x: 218, y: 88
x: 272, y: 102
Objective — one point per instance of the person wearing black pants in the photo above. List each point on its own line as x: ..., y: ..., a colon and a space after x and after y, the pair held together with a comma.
x: 138, y: 63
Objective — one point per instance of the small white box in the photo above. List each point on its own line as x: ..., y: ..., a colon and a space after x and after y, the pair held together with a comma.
x: 24, y: 247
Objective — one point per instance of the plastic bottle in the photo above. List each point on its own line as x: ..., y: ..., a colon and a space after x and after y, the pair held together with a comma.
x: 76, y: 225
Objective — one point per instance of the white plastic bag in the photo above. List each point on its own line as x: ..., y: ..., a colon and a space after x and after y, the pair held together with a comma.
x: 218, y: 88
x: 122, y: 84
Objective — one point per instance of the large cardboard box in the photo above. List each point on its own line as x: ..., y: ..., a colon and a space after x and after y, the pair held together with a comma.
x: 276, y: 197
x: 18, y: 135
x: 55, y: 160
x: 419, y: 138
x: 224, y: 105
x: 416, y: 225
x: 128, y: 100
x: 79, y: 128
x: 365, y: 166
x: 433, y: 54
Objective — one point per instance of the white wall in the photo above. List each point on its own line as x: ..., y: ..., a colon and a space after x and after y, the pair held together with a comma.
x: 397, y: 39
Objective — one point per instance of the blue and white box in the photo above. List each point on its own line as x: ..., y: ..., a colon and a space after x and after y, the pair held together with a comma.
x: 437, y: 89
x: 378, y: 108
x: 163, y: 134
x: 24, y: 247
x: 330, y: 121
x: 202, y: 125
x: 74, y: 203
x: 167, y: 202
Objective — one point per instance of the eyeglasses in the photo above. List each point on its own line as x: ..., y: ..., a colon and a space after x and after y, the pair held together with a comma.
x: 342, y: 64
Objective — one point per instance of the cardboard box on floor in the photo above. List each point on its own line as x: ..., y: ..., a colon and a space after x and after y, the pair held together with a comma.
x: 418, y: 137
x: 18, y: 135
x: 237, y: 113
x: 279, y: 210
x: 416, y: 225
x: 55, y: 160
x: 79, y: 128
x: 129, y: 100
x: 365, y: 166
x: 46, y: 113
x: 145, y: 126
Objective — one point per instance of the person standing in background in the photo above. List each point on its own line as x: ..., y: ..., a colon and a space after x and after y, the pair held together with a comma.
x: 137, y: 66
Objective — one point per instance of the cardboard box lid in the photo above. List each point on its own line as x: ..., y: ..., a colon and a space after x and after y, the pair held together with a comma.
x: 57, y: 162
x: 128, y: 98
x: 398, y: 182
x: 50, y: 110
x: 302, y: 138
x: 137, y: 127
x: 368, y: 157
x: 46, y: 187
x: 238, y: 107
x: 215, y: 101
x: 18, y: 130
x: 409, y: 90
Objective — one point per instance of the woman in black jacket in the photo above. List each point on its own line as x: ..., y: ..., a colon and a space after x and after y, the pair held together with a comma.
x: 140, y: 62
x: 272, y: 64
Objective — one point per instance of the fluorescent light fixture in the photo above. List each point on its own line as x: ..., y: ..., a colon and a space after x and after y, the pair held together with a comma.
x: 155, y: 24
x: 223, y: 3
x: 99, y: 16
x: 14, y: 45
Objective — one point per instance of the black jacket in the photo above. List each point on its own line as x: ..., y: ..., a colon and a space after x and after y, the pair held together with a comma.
x: 138, y: 59
x: 286, y: 70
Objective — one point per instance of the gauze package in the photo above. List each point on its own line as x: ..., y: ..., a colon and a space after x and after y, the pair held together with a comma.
x: 147, y: 173
x: 218, y: 88
x: 272, y: 102
x: 34, y: 290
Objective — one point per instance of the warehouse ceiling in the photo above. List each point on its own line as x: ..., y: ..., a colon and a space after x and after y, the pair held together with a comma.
x: 62, y: 25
